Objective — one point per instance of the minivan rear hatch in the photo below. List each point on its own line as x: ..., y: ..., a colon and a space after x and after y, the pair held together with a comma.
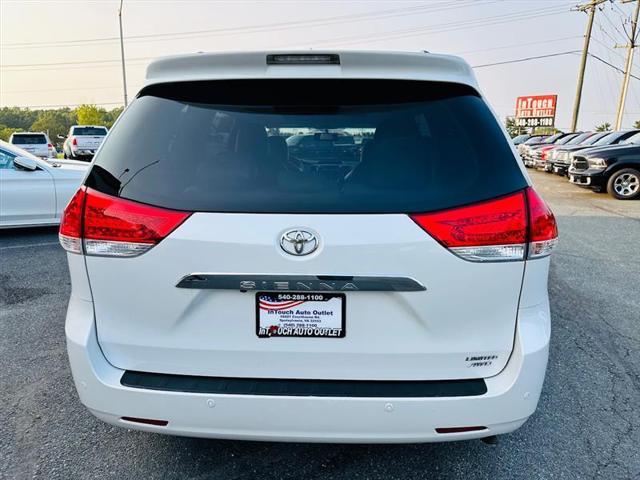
x: 226, y: 161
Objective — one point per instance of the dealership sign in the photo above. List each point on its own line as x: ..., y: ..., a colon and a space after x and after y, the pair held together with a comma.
x: 536, y: 111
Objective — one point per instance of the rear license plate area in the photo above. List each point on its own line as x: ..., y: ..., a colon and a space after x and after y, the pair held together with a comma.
x: 300, y: 314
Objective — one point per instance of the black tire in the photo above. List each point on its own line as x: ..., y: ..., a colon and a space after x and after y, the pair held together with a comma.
x: 64, y: 155
x: 624, y: 184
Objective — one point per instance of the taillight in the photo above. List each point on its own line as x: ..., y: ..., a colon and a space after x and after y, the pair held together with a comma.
x: 499, y: 230
x: 543, y: 231
x: 74, y: 142
x: 49, y: 145
x: 71, y: 223
x: 98, y: 224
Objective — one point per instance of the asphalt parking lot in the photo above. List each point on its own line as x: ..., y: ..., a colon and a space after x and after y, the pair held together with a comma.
x: 587, y: 424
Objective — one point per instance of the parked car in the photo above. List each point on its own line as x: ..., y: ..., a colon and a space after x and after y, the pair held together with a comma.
x: 83, y: 141
x: 218, y: 293
x: 528, y: 151
x: 559, y: 159
x: 564, y: 155
x: 32, y: 191
x: 524, y: 147
x: 518, y: 139
x: 614, y: 169
x: 324, y: 150
x: 543, y: 157
x: 37, y: 143
x: 535, y: 152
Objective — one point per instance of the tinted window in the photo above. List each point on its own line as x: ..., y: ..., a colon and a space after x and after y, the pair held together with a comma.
x: 578, y: 139
x: 594, y: 138
x: 553, y: 138
x: 634, y: 139
x: 564, y: 140
x: 89, y: 131
x: 373, y: 147
x: 28, y: 139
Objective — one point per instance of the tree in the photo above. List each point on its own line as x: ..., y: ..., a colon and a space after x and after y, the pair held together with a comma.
x: 54, y: 122
x: 603, y: 127
x: 512, y: 129
x: 5, y: 132
x: 90, y: 115
x: 16, y: 117
x: 111, y: 116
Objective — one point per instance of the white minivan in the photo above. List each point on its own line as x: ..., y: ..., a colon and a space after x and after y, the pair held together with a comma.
x: 385, y: 283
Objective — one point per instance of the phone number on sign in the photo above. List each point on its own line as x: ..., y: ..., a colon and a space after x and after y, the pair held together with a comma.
x: 299, y: 296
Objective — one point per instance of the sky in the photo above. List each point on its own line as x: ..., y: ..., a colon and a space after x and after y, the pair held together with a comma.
x: 57, y: 53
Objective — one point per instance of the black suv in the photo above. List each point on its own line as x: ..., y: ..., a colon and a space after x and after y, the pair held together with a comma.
x: 614, y: 169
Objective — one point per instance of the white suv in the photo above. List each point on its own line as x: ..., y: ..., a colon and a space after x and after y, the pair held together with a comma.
x: 36, y: 143
x: 387, y: 283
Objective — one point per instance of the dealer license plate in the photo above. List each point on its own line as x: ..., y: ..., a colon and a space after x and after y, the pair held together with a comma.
x: 291, y: 314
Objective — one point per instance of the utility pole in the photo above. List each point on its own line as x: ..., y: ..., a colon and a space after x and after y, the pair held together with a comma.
x: 627, y: 69
x: 124, y: 74
x: 591, y: 8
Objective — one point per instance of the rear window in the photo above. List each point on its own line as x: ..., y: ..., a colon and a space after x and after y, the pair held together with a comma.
x: 101, y: 131
x: 28, y: 139
x: 307, y: 146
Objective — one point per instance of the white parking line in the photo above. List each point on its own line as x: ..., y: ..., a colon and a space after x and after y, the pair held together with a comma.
x: 30, y: 245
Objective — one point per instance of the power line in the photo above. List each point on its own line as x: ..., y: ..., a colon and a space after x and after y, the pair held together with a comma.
x: 90, y: 62
x: 381, y: 14
x: 514, y: 45
x: 62, y: 105
x: 526, y: 59
x: 57, y: 64
x: 448, y: 27
x: 66, y: 89
x: 612, y: 66
x: 439, y: 28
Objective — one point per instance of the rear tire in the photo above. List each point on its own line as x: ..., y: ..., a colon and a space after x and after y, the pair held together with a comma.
x: 624, y: 184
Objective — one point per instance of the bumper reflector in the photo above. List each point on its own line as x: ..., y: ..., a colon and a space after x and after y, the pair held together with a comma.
x: 459, y: 429
x: 146, y: 421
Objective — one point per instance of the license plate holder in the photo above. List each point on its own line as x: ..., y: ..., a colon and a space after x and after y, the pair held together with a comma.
x: 300, y: 314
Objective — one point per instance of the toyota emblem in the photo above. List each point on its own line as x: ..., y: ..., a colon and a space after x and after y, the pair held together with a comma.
x: 298, y: 242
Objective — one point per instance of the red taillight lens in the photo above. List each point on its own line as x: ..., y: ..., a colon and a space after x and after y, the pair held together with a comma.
x: 496, y: 222
x: 49, y: 145
x: 113, y: 226
x: 495, y: 230
x: 71, y: 223
x: 74, y: 142
x: 543, y: 230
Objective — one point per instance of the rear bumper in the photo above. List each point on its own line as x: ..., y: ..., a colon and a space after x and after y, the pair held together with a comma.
x: 511, y: 398
x: 84, y: 152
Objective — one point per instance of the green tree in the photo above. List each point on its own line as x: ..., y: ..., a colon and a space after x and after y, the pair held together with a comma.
x: 512, y: 129
x: 90, y: 115
x: 54, y: 122
x: 16, y: 117
x: 5, y: 132
x: 603, y: 127
x: 111, y: 116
